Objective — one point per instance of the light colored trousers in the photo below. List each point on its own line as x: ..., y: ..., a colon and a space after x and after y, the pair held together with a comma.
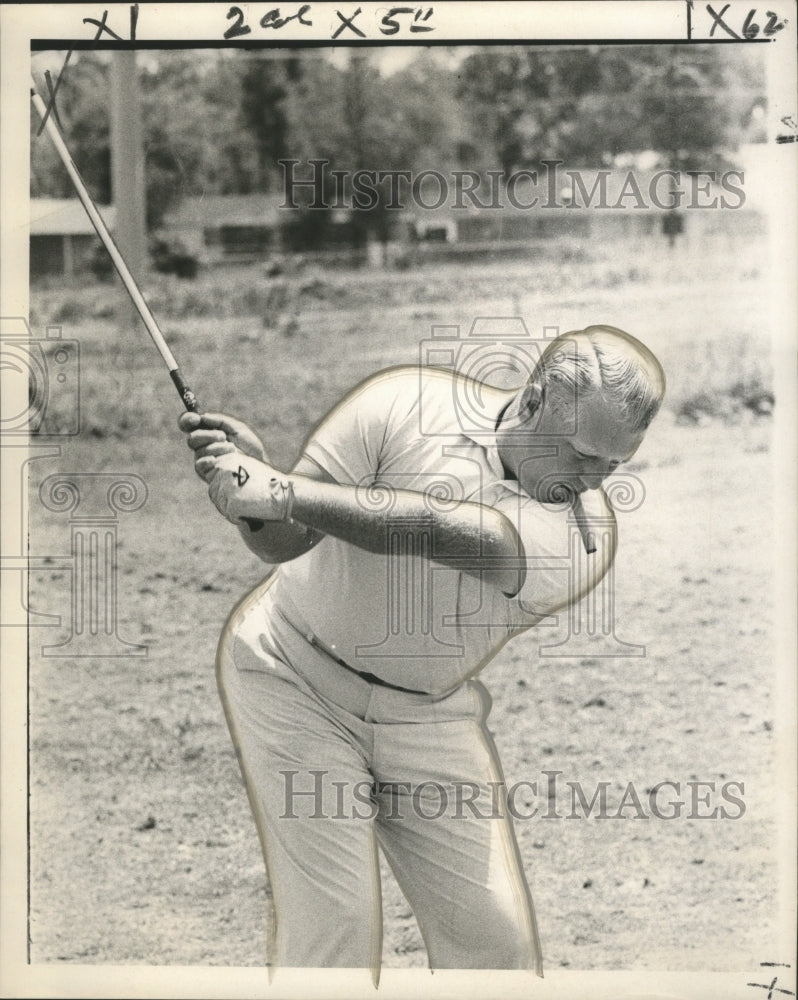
x: 334, y: 766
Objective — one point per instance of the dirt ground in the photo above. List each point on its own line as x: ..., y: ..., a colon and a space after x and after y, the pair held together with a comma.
x: 142, y: 849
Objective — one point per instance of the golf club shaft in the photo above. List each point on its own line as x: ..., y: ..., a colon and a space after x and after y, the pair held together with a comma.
x: 188, y: 397
x: 185, y: 393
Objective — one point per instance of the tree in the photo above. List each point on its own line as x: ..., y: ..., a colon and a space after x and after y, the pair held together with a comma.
x: 588, y: 104
x: 194, y: 139
x: 360, y: 119
x: 263, y: 88
x: 82, y: 104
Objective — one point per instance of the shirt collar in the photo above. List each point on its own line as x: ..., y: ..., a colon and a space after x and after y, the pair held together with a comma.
x: 487, y: 440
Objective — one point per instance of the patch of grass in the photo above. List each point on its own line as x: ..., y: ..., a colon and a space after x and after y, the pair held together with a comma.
x: 729, y: 381
x: 281, y: 349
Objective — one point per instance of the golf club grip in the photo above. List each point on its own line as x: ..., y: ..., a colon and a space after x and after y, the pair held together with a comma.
x: 191, y: 404
x: 188, y: 397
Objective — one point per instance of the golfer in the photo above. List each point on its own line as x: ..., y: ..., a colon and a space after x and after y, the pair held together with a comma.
x: 412, y: 545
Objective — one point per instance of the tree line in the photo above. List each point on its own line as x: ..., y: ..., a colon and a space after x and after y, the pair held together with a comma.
x: 218, y: 122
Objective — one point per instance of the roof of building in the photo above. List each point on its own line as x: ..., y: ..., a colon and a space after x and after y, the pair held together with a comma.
x: 65, y: 217
x: 214, y: 210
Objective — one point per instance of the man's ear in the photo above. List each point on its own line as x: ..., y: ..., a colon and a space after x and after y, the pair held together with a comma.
x: 531, y: 398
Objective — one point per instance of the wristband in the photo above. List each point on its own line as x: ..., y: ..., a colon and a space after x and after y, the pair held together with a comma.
x: 283, y: 491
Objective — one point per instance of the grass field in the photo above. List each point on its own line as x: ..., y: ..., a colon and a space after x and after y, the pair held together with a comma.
x: 142, y: 846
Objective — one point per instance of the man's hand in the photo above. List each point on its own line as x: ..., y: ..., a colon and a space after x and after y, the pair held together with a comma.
x: 251, y: 494
x: 242, y: 488
x: 211, y: 435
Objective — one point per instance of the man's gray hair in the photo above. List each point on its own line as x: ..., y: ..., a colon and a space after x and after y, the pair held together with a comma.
x: 605, y: 360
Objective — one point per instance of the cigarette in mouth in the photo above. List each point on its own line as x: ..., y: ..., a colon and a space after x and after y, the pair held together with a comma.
x: 588, y: 537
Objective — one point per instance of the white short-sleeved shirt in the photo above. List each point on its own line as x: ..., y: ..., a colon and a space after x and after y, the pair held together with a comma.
x: 404, y: 617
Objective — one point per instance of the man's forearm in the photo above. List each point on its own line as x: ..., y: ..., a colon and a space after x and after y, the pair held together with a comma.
x: 280, y: 541
x: 465, y: 535
x: 363, y: 515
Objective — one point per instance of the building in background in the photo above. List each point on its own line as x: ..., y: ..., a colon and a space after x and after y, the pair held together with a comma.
x: 62, y: 239
x: 630, y: 205
x: 231, y: 228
